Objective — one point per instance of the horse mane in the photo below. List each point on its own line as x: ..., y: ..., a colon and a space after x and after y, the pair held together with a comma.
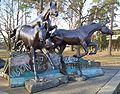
x: 92, y: 23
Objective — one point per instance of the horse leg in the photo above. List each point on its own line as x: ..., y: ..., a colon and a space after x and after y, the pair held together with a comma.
x: 52, y: 27
x: 46, y: 53
x: 15, y: 42
x: 21, y: 47
x: 34, y: 63
x: 84, y: 45
x: 62, y: 66
x: 62, y: 47
x: 18, y: 45
x: 95, y: 45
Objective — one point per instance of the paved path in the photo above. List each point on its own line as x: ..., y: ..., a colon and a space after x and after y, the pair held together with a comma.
x: 3, y: 92
x: 111, y: 86
x: 91, y: 86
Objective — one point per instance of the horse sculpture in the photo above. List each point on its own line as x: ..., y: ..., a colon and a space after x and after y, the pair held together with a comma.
x: 80, y: 36
x: 33, y: 35
x: 50, y: 9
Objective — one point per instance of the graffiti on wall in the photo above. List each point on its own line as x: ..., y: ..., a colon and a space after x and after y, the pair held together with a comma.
x: 22, y: 63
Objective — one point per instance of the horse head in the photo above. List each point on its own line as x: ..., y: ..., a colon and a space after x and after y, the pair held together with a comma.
x: 105, y: 30
x: 53, y: 9
x: 50, y: 9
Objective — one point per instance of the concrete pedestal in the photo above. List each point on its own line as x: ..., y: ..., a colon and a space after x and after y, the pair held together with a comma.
x: 52, y: 80
x: 32, y: 86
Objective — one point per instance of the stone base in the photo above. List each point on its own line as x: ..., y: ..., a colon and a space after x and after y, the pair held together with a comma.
x: 54, y: 74
x: 2, y: 63
x: 63, y: 79
x: 51, y: 81
x: 32, y: 86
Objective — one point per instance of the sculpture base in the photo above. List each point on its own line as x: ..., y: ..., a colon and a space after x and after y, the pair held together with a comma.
x: 20, y: 81
x: 84, y: 73
x: 32, y: 86
x: 52, y: 79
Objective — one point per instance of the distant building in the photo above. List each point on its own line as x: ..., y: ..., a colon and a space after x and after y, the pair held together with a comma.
x: 116, y: 34
x: 115, y: 39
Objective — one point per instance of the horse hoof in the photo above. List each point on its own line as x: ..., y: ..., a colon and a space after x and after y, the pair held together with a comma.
x: 75, y: 56
x: 91, y: 53
x: 84, y: 78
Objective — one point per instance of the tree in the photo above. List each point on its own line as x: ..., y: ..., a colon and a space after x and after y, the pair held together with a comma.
x: 10, y: 18
x: 111, y: 26
x: 102, y: 10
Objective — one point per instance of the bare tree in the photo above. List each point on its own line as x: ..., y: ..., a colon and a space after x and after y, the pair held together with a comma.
x: 10, y: 18
x: 111, y: 25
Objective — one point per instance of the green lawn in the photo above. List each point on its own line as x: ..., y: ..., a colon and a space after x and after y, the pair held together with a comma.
x: 4, y: 54
x: 100, y: 56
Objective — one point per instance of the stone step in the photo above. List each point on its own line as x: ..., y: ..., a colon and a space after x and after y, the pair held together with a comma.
x: 32, y: 86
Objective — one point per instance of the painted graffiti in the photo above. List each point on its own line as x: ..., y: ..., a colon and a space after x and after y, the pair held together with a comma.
x: 41, y: 63
x: 67, y: 59
x: 19, y: 70
x: 19, y: 65
x: 22, y: 63
x: 70, y: 59
x: 20, y: 59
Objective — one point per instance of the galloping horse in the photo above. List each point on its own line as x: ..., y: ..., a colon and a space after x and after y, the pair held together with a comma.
x: 80, y: 36
x: 33, y: 35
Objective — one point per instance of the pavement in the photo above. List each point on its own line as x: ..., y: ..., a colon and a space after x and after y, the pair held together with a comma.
x: 91, y: 86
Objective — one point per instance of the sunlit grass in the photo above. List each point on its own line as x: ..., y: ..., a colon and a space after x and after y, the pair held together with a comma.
x: 4, y: 54
x: 100, y: 56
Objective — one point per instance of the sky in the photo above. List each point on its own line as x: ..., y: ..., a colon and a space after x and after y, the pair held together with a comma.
x: 63, y: 24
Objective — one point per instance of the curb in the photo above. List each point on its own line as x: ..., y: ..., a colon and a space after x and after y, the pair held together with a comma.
x: 111, y: 86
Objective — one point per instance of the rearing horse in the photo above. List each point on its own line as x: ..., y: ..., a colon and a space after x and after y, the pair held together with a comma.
x: 33, y: 35
x: 42, y: 18
x: 80, y: 36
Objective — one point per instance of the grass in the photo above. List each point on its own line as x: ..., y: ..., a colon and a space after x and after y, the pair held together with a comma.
x: 4, y: 54
x: 100, y: 57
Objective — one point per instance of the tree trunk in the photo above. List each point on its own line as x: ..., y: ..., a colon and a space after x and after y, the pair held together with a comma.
x: 80, y: 24
x: 110, y: 37
x: 17, y: 14
x: 41, y: 5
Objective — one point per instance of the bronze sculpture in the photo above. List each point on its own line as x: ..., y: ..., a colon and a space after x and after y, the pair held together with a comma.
x: 80, y: 36
x: 50, y: 9
x: 33, y: 35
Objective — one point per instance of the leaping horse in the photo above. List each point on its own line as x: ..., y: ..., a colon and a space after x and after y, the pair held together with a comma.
x: 80, y: 36
x: 33, y: 35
